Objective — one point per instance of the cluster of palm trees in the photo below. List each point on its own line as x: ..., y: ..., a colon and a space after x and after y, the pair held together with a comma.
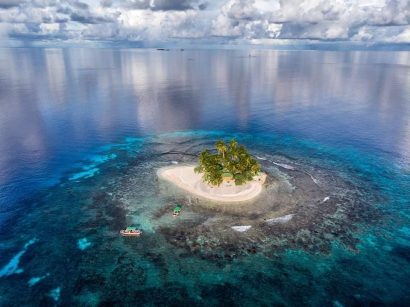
x: 230, y: 160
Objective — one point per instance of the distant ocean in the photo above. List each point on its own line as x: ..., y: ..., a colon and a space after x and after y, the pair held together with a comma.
x: 82, y: 132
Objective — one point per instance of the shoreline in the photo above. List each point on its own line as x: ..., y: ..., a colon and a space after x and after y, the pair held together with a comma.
x: 184, y: 177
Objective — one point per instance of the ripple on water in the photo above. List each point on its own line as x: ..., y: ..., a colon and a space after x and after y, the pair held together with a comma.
x: 299, y: 235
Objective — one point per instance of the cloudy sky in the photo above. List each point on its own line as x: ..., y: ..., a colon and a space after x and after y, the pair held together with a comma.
x: 208, y: 21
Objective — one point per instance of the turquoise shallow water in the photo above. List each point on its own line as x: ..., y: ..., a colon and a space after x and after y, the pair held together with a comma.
x: 81, y: 145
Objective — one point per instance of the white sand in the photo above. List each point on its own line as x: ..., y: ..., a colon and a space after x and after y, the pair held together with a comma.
x: 185, y: 178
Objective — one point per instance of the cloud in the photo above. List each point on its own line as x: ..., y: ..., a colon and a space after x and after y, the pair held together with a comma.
x: 226, y: 21
x: 243, y: 19
x: 90, y: 19
x: 154, y: 5
x: 338, y: 19
x: 313, y: 19
x: 6, y: 4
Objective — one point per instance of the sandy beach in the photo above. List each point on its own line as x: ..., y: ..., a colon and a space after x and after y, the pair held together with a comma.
x: 185, y: 178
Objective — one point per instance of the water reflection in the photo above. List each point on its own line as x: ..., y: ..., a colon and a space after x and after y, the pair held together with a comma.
x: 56, y: 104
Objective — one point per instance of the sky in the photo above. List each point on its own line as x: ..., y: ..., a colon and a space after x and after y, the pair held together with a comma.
x: 226, y: 22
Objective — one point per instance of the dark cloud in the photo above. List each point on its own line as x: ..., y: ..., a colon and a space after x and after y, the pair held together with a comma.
x: 203, y: 6
x: 79, y: 5
x: 6, y: 4
x: 167, y: 5
x: 33, y: 27
x: 89, y: 19
x: 60, y: 20
x: 153, y: 5
x: 63, y: 9
x: 106, y: 3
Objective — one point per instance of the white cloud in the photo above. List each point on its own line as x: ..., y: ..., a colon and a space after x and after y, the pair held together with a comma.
x: 246, y: 19
x: 339, y: 19
x: 224, y: 20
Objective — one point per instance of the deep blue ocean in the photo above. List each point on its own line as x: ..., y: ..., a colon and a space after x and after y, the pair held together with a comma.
x: 83, y: 131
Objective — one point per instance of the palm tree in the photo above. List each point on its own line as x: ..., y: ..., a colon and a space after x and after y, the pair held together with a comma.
x: 221, y: 148
x: 233, y: 149
x: 229, y: 158
x: 210, y: 165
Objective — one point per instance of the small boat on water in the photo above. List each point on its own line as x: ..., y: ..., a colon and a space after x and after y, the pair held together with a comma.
x: 131, y: 232
x: 177, y: 211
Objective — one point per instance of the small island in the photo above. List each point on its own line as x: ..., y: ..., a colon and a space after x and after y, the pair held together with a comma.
x: 229, y: 175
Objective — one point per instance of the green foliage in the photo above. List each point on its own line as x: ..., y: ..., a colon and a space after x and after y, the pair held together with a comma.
x: 230, y: 158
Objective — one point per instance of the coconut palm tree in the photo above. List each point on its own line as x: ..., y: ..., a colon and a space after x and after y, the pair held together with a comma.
x: 210, y: 165
x: 221, y: 148
x: 230, y: 158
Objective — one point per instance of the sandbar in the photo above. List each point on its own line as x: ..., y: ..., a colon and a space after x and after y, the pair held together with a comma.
x: 184, y: 177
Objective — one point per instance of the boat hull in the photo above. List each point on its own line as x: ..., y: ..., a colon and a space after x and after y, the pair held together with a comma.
x: 130, y: 234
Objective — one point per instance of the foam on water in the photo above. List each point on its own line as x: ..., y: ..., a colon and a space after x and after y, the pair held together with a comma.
x: 289, y: 167
x: 286, y: 166
x: 280, y: 219
x: 261, y: 158
x: 12, y: 267
x: 241, y: 228
x: 313, y: 178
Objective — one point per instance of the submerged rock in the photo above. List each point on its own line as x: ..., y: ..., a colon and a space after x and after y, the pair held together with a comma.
x: 12, y: 267
x: 55, y: 294
x: 35, y: 280
x: 83, y: 243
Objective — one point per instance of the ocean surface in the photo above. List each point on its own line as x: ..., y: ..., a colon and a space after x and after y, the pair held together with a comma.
x: 83, y: 131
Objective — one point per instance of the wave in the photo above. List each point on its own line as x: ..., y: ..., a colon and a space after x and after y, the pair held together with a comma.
x: 280, y: 219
